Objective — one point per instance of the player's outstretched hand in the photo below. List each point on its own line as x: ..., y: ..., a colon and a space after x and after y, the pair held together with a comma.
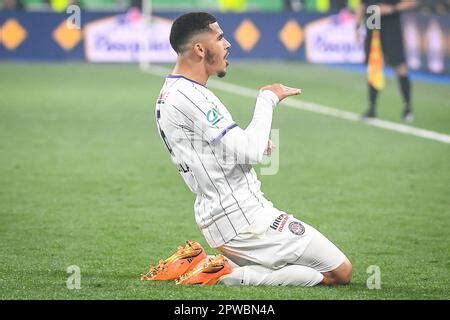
x: 282, y: 91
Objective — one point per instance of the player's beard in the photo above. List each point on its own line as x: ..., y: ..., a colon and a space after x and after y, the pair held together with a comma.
x: 212, y: 59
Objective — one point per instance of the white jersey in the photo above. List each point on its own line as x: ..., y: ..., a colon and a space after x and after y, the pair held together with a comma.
x: 214, y: 155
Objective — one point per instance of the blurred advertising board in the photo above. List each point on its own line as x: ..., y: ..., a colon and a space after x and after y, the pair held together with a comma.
x: 333, y: 40
x: 427, y: 42
x: 128, y: 38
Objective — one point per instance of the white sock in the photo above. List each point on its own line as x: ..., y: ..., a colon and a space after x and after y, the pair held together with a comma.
x: 235, y: 278
x: 290, y: 275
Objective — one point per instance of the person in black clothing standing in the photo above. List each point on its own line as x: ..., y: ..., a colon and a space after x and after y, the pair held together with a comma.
x: 393, y: 49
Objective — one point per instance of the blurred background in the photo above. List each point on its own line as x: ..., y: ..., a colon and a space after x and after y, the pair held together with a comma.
x: 316, y: 31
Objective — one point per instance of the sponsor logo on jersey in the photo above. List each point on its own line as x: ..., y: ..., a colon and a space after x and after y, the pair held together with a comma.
x: 213, y: 116
x: 279, y: 223
x: 296, y: 228
x: 184, y: 168
x: 162, y: 97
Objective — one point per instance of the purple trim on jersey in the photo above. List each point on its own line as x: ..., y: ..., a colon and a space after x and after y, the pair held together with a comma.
x: 177, y: 76
x: 224, y: 132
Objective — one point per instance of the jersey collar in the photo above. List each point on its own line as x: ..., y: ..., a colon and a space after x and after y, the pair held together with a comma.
x: 177, y: 76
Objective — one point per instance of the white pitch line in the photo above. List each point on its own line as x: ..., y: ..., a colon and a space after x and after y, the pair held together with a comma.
x: 317, y: 108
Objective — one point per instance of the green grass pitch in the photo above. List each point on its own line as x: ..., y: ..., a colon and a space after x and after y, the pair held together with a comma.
x: 86, y: 181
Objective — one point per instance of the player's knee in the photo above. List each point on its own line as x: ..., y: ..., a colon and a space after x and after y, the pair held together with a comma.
x: 345, y: 275
x: 340, y: 276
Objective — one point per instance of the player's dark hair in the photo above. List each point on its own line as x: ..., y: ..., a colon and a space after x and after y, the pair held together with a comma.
x: 188, y: 25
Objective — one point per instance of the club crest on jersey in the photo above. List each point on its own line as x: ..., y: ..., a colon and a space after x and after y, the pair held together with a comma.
x: 296, y: 228
x: 213, y: 116
x: 279, y: 222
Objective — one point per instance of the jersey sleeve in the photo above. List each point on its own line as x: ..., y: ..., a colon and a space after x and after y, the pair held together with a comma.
x: 210, y: 119
x: 248, y: 145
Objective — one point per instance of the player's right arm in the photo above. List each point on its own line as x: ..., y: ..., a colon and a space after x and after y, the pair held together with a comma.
x: 200, y: 113
x: 249, y: 144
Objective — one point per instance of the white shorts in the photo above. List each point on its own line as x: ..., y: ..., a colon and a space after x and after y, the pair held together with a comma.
x: 277, y: 239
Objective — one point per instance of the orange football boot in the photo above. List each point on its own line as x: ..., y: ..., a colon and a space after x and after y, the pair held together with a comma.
x: 183, y: 260
x: 208, y: 272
